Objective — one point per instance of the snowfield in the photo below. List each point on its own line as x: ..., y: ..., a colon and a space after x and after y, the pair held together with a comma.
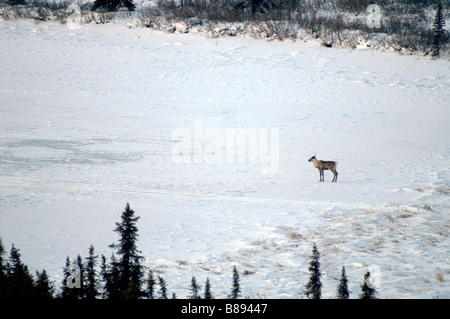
x: 95, y: 116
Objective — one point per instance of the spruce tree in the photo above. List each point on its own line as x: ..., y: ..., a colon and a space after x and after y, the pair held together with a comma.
x: 91, y: 289
x: 236, y: 288
x: 342, y: 291
x: 105, y: 278
x: 3, y: 277
x: 367, y: 291
x: 20, y: 282
x: 110, y: 275
x: 194, y: 289
x: 162, y: 288
x: 438, y: 30
x: 43, y: 287
x: 314, y: 285
x: 208, y: 294
x: 151, y: 285
x: 129, y: 264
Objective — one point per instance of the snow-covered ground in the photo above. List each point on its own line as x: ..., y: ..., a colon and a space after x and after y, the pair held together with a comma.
x: 95, y: 116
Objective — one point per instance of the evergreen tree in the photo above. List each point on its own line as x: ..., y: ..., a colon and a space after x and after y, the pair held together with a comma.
x: 236, y: 288
x: 438, y: 30
x: 20, y: 282
x: 194, y: 289
x: 314, y: 285
x: 367, y: 291
x: 110, y: 276
x: 151, y: 285
x: 104, y: 274
x: 91, y: 290
x: 342, y: 291
x: 129, y: 264
x: 162, y: 288
x: 3, y: 277
x: 208, y: 294
x: 43, y: 287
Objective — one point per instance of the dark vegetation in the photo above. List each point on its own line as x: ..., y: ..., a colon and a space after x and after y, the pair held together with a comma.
x: 113, y: 5
x: 401, y: 25
x: 404, y: 25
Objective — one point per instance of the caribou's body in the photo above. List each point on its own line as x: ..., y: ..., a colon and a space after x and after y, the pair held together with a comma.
x: 323, y: 166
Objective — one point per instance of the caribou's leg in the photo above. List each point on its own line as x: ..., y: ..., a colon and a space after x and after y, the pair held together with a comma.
x: 335, y: 176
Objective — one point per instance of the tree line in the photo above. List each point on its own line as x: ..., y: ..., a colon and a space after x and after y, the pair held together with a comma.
x: 404, y: 24
x: 124, y: 276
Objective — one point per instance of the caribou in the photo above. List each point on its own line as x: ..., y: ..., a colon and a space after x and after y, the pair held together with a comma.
x: 323, y: 166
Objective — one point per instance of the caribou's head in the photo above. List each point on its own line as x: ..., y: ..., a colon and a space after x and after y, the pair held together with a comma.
x: 312, y: 158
